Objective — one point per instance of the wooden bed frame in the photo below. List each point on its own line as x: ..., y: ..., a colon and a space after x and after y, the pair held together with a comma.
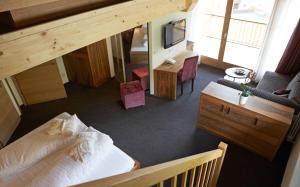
x: 137, y: 165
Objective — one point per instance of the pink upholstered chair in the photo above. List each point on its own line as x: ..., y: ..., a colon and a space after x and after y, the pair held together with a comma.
x: 188, y: 72
x: 142, y: 74
x: 132, y: 94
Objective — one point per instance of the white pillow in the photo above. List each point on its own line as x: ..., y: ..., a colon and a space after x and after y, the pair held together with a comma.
x: 31, y: 148
x: 62, y: 168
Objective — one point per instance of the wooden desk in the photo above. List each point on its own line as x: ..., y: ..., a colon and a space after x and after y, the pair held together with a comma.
x: 165, y: 76
x: 260, y: 125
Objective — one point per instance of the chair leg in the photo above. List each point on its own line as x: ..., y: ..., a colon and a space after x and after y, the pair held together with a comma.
x: 193, y: 84
x: 181, y: 88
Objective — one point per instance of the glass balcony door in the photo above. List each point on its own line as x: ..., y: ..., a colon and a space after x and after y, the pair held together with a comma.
x: 248, y: 24
x: 231, y: 32
x: 210, y: 17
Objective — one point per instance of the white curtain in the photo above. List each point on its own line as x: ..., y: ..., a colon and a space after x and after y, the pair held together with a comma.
x: 285, y: 17
x: 195, y: 26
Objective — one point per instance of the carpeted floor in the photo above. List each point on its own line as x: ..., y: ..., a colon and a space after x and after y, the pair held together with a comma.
x: 160, y: 131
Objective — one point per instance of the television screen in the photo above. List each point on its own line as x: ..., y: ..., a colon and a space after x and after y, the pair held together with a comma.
x: 174, y: 33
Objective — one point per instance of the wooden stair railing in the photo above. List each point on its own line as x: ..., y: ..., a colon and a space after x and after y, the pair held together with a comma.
x: 201, y: 170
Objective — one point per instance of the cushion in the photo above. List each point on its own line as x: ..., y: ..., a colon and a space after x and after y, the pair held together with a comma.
x: 293, y: 81
x: 272, y: 81
x: 33, y: 147
x: 295, y: 92
x: 282, y: 92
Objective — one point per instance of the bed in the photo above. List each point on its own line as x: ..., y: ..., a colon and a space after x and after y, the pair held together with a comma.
x: 44, y: 157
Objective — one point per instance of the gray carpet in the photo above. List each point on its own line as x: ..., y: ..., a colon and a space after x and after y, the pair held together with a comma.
x: 160, y: 131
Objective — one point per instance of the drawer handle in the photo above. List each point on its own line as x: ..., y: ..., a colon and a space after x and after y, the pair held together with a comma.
x: 255, y: 122
x: 222, y: 108
x: 228, y: 110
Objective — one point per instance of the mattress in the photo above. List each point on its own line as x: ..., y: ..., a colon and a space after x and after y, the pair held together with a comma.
x: 116, y: 162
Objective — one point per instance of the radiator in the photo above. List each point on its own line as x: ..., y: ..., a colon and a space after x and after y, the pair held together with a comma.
x: 292, y: 134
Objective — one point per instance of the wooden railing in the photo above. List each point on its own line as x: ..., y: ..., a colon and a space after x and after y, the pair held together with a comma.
x: 201, y: 170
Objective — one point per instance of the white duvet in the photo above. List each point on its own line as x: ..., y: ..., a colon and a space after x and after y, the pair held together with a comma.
x: 37, y: 144
x: 90, y: 156
x: 61, y: 169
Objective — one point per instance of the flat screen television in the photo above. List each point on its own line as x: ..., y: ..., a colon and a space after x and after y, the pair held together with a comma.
x: 174, y: 32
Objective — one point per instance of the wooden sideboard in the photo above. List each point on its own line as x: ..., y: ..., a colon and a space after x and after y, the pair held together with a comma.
x: 260, y: 125
x: 165, y: 76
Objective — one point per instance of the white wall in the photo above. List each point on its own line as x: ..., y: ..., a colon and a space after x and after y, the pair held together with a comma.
x: 15, y: 92
x: 157, y: 53
x: 110, y: 57
x: 291, y: 175
x: 62, y: 70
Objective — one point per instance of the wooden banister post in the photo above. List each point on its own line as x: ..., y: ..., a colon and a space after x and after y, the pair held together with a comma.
x: 213, y: 182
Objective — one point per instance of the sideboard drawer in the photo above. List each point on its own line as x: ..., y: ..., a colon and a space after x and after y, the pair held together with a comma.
x: 219, y: 128
x: 270, y: 127
x: 240, y: 116
x: 212, y: 105
x: 261, y: 146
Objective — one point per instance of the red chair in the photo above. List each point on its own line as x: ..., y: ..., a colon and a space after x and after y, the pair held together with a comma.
x: 132, y: 94
x: 188, y: 72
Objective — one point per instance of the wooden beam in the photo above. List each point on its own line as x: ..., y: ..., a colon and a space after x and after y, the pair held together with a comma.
x: 190, y: 5
x: 33, y: 15
x: 26, y: 48
x: 6, y: 5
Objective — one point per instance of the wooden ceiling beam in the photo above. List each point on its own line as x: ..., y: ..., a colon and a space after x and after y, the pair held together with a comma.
x: 6, y: 5
x: 29, y: 47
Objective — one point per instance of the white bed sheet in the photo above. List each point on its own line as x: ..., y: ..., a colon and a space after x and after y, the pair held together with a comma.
x: 116, y: 162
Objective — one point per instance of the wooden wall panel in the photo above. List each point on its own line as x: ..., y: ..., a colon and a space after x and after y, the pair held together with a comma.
x: 77, y: 66
x: 9, y: 117
x: 88, y: 65
x: 41, y: 84
x: 98, y: 56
